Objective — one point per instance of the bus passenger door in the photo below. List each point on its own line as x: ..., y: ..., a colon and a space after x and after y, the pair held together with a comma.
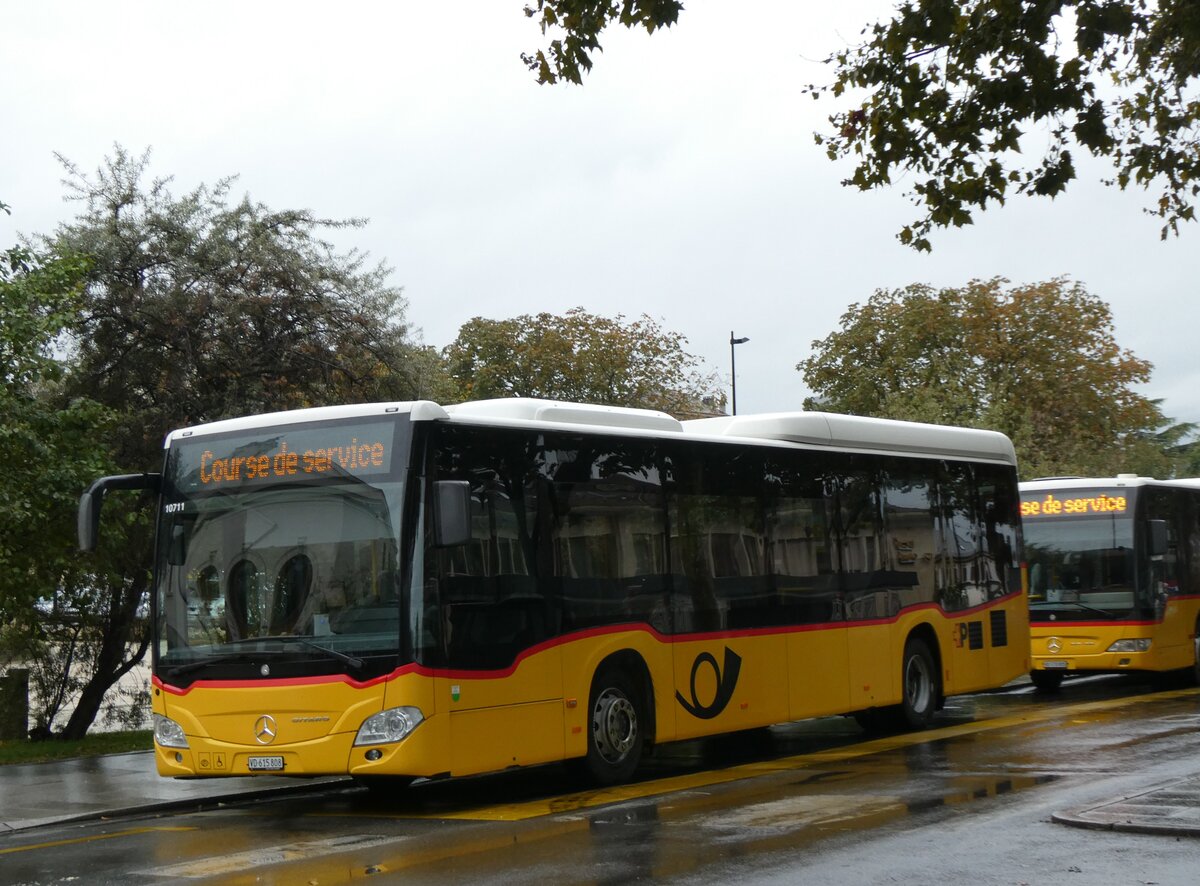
x: 501, y: 678
x: 1174, y: 632
x: 960, y: 581
x: 867, y: 602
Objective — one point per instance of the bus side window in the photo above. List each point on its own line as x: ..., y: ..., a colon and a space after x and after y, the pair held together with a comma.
x: 958, y: 572
x: 798, y: 537
x: 909, y: 530
x: 1162, y: 508
x: 1000, y: 511
x: 607, y: 531
x: 865, y: 590
x: 492, y: 603
x: 720, y: 574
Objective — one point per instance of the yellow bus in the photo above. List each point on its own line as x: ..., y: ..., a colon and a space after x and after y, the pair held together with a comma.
x: 1114, y: 575
x: 412, y: 590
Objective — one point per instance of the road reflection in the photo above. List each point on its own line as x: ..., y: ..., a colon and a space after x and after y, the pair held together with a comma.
x: 706, y: 808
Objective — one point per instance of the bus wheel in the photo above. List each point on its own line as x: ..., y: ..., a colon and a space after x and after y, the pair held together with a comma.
x: 615, y: 729
x: 1046, y: 681
x: 918, y: 678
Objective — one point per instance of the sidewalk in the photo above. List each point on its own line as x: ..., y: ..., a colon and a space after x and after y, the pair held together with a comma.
x: 87, y: 788
x: 1172, y: 809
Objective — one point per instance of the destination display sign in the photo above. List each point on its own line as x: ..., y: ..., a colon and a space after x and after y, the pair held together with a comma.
x: 1074, y: 503
x: 281, y: 455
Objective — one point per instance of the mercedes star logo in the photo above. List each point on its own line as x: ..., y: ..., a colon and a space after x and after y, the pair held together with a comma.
x: 1054, y: 644
x: 264, y: 729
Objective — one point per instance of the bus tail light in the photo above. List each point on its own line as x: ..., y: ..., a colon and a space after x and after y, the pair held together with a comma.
x: 1142, y: 645
x: 388, y: 726
x: 168, y: 733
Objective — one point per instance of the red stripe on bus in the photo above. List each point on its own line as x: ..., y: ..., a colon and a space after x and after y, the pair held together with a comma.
x: 575, y: 637
x: 1093, y: 623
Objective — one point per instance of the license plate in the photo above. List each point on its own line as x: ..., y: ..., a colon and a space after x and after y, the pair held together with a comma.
x: 265, y: 764
x: 1054, y: 665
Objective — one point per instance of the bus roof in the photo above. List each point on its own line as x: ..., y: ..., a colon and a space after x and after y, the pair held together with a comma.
x: 1044, y: 484
x: 811, y: 428
x: 860, y: 432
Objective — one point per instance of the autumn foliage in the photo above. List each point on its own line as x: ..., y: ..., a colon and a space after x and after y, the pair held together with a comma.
x: 1039, y: 362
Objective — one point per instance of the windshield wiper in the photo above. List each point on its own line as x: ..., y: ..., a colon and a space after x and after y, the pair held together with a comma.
x: 180, y: 670
x: 351, y: 660
x: 1107, y: 613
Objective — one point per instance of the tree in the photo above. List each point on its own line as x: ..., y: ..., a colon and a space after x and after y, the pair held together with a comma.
x: 580, y: 22
x: 198, y: 308
x: 581, y: 357
x: 47, y: 444
x: 50, y: 449
x: 960, y: 91
x: 1037, y: 362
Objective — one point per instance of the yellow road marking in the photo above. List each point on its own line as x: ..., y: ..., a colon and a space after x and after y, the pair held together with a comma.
x: 588, y: 799
x: 131, y: 832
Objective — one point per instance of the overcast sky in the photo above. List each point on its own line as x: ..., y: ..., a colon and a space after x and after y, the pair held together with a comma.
x: 681, y: 180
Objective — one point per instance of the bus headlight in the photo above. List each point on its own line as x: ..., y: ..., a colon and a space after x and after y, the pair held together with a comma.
x: 388, y: 726
x: 168, y: 733
x: 1130, y: 646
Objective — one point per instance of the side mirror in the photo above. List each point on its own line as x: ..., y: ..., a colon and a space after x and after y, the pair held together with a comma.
x: 451, y: 513
x: 1157, y: 537
x: 88, y: 518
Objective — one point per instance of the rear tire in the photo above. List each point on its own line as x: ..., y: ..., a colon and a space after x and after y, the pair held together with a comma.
x: 919, y: 683
x: 616, y: 728
x: 921, y: 694
x: 1046, y: 681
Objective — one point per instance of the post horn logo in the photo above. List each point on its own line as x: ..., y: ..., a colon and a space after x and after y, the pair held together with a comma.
x: 264, y: 729
x: 726, y: 681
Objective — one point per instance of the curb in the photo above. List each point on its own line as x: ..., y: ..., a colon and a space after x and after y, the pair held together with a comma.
x: 161, y: 806
x: 1171, y: 809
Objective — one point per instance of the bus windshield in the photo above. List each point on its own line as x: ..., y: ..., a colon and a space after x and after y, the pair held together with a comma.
x: 1081, y: 556
x: 278, y: 552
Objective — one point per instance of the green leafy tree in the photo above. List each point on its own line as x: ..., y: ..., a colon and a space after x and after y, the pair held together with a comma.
x: 579, y: 23
x: 197, y: 308
x: 200, y: 307
x: 972, y: 101
x: 1037, y: 362
x: 48, y: 443
x: 581, y: 357
x: 975, y: 100
x: 51, y: 447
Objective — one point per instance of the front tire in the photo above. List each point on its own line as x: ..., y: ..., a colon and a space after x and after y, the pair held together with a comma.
x: 616, y: 728
x: 919, y: 681
x: 1046, y: 681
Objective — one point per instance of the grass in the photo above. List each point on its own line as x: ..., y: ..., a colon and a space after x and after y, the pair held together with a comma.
x: 90, y: 746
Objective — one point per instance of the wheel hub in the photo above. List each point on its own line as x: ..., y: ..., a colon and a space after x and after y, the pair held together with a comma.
x: 917, y: 684
x: 614, y: 725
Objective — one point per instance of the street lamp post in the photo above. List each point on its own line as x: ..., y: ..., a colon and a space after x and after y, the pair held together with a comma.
x: 733, y: 366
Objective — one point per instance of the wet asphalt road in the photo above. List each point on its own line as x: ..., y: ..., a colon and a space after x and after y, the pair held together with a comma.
x: 969, y: 801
